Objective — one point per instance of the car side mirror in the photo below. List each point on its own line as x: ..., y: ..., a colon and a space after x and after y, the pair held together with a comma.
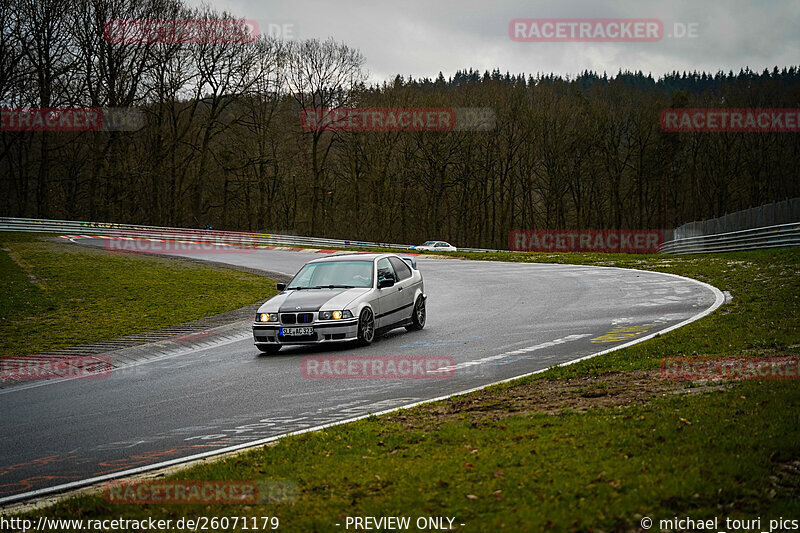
x: 281, y: 286
x: 386, y: 283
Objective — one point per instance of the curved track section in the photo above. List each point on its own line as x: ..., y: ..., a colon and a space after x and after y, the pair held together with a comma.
x: 495, y: 320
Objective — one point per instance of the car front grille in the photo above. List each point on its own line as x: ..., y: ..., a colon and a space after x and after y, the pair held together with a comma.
x: 297, y: 318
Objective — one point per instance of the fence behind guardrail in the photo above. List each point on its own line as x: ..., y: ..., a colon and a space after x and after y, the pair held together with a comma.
x: 775, y: 225
x: 774, y: 214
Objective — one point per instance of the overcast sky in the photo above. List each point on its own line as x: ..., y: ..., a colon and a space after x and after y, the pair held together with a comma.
x: 422, y: 37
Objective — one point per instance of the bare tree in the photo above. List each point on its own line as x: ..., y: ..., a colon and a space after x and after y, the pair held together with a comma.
x: 322, y: 75
x: 46, y: 40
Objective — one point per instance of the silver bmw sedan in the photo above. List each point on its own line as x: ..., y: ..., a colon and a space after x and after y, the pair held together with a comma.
x: 343, y: 298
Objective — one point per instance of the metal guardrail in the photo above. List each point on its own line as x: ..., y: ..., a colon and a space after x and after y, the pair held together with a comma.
x: 133, y: 230
x: 232, y: 237
x: 242, y: 238
x: 780, y: 236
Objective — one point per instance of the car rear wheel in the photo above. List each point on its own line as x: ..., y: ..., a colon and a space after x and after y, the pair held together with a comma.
x: 366, y: 327
x: 269, y: 349
x: 418, y: 316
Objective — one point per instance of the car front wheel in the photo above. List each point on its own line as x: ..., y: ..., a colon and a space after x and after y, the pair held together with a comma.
x: 366, y: 327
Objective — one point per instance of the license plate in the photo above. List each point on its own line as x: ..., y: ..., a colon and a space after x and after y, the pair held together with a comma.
x: 298, y: 332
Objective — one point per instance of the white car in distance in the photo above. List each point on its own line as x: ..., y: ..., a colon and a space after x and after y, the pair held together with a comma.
x: 435, y: 246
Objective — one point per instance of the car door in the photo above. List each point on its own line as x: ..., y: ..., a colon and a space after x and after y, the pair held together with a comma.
x: 404, y: 283
x: 390, y: 299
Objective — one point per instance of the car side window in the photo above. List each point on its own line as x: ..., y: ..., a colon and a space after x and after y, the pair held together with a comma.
x: 400, y: 268
x: 440, y: 245
x: 385, y: 270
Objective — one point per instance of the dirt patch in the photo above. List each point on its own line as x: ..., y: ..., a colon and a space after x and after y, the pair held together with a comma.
x: 786, y: 479
x: 22, y: 264
x: 615, y: 389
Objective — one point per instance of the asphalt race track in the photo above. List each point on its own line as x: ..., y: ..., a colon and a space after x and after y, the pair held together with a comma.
x: 496, y: 320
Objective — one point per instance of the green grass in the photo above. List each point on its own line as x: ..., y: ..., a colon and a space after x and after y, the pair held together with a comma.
x: 84, y: 294
x: 701, y: 456
x: 727, y: 452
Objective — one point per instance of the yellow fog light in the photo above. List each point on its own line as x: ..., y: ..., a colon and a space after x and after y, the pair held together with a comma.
x: 264, y: 317
x: 337, y: 315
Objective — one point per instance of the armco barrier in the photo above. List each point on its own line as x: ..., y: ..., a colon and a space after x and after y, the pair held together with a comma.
x: 133, y: 230
x: 780, y: 236
x: 75, y: 227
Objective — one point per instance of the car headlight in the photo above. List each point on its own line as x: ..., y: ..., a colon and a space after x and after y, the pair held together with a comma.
x: 267, y: 317
x: 335, y: 315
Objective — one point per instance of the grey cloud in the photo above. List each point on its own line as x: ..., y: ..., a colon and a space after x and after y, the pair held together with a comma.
x: 423, y: 37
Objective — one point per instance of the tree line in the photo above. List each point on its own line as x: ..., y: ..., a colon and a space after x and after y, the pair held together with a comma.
x: 222, y: 142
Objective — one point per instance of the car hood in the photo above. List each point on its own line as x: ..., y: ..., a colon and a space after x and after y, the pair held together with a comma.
x: 307, y: 300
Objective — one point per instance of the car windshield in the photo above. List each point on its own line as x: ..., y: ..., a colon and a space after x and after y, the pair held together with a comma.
x: 429, y: 243
x: 333, y: 275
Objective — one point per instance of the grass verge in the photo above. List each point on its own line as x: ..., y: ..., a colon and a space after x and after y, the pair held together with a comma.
x: 595, y: 446
x: 703, y: 456
x: 54, y: 295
